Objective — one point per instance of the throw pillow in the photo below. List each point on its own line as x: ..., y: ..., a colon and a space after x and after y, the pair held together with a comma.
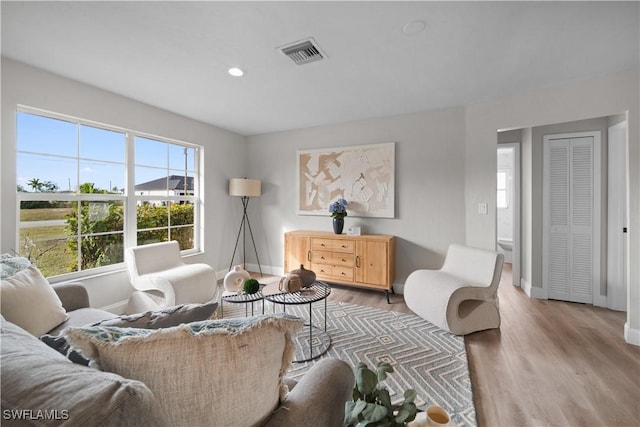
x: 231, y: 370
x: 171, y: 316
x: 29, y: 301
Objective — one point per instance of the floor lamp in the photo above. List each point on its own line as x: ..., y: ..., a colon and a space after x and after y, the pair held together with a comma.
x: 245, y: 188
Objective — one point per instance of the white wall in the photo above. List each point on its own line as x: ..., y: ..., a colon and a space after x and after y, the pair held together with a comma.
x: 429, y: 185
x: 224, y: 156
x: 601, y: 97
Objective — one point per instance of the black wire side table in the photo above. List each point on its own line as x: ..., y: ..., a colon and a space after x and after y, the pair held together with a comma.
x: 241, y: 298
x: 312, y: 341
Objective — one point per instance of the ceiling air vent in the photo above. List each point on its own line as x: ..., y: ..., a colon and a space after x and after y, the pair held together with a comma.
x: 303, y: 52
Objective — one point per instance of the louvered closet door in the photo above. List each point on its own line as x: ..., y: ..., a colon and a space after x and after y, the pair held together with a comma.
x: 568, y: 219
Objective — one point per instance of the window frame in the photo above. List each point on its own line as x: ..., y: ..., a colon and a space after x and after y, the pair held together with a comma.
x: 502, y: 190
x: 129, y: 198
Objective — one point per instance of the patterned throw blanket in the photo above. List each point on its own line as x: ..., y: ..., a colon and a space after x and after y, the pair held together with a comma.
x: 11, y: 264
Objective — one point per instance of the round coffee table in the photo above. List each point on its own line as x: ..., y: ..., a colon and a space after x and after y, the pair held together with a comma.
x: 312, y: 341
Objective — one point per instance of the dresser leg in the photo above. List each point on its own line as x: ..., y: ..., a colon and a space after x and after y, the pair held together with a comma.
x: 387, y: 293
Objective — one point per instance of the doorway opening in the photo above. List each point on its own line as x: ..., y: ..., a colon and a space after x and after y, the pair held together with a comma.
x: 508, y: 206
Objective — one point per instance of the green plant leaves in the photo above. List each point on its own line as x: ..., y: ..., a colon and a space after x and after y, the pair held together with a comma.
x: 410, y: 395
x: 382, y: 369
x: 385, y: 398
x: 373, y: 413
x: 372, y: 406
x: 366, y: 379
x: 352, y: 410
x: 406, y: 412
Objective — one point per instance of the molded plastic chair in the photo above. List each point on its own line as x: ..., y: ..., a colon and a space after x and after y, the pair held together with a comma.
x: 461, y: 297
x: 162, y: 279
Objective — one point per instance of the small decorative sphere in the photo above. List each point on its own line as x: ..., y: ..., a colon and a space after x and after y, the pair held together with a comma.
x: 251, y: 286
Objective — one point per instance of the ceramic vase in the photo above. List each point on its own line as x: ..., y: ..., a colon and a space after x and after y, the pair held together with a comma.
x: 290, y: 283
x: 338, y: 225
x: 235, y: 278
x: 308, y: 277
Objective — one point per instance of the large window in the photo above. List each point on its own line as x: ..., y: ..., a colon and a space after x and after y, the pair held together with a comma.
x: 77, y: 181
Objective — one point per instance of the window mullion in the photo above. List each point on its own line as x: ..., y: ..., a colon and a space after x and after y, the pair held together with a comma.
x: 131, y: 217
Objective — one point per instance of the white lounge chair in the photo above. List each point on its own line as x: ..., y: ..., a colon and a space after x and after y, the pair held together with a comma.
x: 461, y: 297
x: 162, y: 279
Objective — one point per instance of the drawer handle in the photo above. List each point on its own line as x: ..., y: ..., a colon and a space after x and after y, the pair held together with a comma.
x: 344, y: 260
x: 343, y: 246
x: 358, y: 261
x: 308, y: 255
x: 343, y: 274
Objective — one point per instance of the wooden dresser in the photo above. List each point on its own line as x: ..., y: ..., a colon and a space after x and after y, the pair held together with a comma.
x: 366, y: 261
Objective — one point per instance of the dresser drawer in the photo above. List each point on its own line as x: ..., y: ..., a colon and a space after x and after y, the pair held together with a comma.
x: 335, y: 245
x: 318, y: 244
x: 322, y: 257
x: 323, y: 271
x: 346, y: 246
x: 342, y: 273
x: 343, y: 259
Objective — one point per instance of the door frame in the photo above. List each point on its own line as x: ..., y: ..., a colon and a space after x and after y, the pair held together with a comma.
x: 516, y: 220
x: 617, y: 217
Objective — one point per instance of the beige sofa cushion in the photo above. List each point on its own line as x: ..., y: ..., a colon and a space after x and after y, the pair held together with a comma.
x: 29, y: 301
x: 36, y: 378
x: 230, y: 371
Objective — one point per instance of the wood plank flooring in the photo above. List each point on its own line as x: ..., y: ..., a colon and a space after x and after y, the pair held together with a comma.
x: 551, y: 363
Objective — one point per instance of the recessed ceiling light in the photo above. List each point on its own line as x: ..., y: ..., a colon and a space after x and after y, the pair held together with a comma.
x: 414, y: 27
x: 236, y: 72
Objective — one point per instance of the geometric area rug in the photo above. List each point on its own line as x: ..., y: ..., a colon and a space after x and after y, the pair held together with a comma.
x: 424, y: 357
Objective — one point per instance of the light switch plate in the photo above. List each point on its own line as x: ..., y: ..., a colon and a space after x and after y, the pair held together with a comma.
x: 483, y: 208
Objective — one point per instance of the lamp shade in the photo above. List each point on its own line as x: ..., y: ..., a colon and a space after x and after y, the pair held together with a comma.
x: 245, y: 187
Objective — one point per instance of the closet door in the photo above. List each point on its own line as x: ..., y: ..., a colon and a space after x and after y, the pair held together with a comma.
x: 569, y: 260
x: 556, y: 213
x: 581, y: 259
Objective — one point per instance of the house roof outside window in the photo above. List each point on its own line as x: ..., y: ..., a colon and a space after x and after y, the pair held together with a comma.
x: 175, y: 183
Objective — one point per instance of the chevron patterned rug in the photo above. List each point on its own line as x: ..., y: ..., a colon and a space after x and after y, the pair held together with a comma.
x: 424, y: 357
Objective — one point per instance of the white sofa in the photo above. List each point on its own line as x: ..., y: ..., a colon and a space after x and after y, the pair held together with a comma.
x: 161, y: 279
x: 462, y: 296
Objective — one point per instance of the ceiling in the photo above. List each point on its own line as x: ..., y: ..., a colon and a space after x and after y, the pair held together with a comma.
x: 175, y: 55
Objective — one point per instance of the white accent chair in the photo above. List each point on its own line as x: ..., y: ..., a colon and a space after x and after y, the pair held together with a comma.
x: 461, y: 297
x: 161, y: 279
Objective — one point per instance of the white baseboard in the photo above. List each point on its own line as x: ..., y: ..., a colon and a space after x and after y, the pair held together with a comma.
x: 600, y: 301
x: 526, y: 286
x: 631, y: 336
x: 532, y: 291
x: 266, y: 269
